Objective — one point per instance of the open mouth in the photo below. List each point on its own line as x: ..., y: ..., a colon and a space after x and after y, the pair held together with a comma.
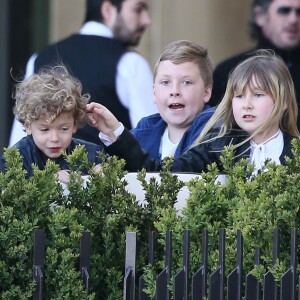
x: 248, y: 117
x: 176, y: 106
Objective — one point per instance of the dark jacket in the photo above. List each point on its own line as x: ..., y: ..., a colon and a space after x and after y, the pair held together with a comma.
x: 195, y: 160
x: 150, y: 130
x: 93, y: 60
x: 221, y: 73
x: 33, y: 155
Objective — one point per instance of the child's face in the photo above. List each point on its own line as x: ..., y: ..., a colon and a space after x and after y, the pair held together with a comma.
x: 251, y: 109
x: 179, y: 93
x: 53, y: 138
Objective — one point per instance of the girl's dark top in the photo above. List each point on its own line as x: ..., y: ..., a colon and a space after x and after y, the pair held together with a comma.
x: 33, y: 155
x: 194, y: 160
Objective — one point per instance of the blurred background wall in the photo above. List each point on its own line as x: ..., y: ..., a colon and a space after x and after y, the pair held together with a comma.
x: 220, y: 26
x: 28, y: 26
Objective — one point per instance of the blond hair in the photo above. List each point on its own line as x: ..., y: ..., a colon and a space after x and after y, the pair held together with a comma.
x: 182, y: 51
x: 272, y: 76
x: 48, y: 94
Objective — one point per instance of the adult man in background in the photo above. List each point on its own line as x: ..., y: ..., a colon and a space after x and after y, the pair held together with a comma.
x: 276, y: 25
x: 99, y: 56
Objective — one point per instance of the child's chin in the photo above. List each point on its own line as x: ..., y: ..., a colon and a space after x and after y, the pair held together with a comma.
x: 53, y: 154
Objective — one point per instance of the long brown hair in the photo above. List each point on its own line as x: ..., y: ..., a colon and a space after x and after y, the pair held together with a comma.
x: 272, y: 76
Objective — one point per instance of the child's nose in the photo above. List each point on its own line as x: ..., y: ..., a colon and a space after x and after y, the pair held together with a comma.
x: 175, y: 92
x: 54, y: 136
x: 247, y: 103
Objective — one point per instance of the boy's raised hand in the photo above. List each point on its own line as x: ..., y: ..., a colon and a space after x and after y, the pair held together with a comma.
x: 102, y: 119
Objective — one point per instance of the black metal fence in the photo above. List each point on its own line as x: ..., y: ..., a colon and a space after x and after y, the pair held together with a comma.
x: 39, y: 257
x: 200, y: 286
x: 216, y: 286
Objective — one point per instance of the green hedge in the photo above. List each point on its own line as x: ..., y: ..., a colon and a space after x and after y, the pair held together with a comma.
x: 256, y: 206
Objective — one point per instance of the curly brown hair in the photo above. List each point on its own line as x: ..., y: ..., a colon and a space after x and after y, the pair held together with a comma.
x: 48, y: 94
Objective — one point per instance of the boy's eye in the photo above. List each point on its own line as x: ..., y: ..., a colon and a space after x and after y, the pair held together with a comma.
x: 187, y: 82
x: 65, y: 128
x: 259, y: 94
x: 44, y: 129
x: 165, y: 82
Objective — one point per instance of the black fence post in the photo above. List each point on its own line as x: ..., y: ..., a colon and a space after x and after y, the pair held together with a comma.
x: 298, y: 288
x: 181, y: 279
x: 199, y: 279
x: 38, y: 263
x: 163, y: 279
x: 129, y: 279
x: 151, y: 255
x: 270, y: 286
x: 85, y: 258
x: 288, y: 279
x: 234, y: 280
x: 252, y: 283
x: 216, y: 286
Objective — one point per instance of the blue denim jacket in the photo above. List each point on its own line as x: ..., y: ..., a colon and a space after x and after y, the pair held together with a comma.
x: 150, y: 130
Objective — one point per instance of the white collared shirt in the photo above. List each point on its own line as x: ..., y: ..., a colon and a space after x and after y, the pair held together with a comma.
x: 133, y: 82
x: 270, y: 149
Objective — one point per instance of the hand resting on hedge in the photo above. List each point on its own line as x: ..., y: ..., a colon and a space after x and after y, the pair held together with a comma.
x: 64, y: 175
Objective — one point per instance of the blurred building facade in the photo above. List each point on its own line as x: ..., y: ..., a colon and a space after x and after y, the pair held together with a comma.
x: 28, y: 26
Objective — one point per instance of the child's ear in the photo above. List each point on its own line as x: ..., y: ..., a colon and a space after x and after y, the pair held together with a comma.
x: 153, y: 90
x: 75, y: 128
x: 27, y: 128
x: 207, y: 95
